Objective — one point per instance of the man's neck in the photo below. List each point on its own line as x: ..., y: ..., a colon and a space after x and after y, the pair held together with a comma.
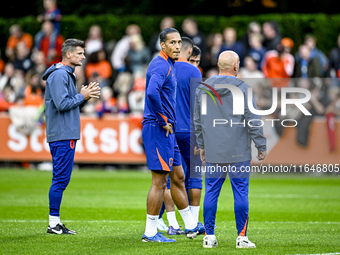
x: 67, y: 63
x: 184, y: 55
x: 227, y: 73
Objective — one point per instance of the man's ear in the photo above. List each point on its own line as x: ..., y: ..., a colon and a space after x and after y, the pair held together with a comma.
x: 190, y: 51
x: 68, y: 54
x: 236, y: 67
x: 163, y: 45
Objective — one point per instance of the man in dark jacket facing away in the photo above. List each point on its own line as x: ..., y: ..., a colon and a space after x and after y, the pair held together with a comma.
x: 62, y: 103
x: 224, y: 139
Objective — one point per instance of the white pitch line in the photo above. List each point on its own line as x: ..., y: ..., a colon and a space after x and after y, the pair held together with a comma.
x: 138, y: 221
x: 302, y: 222
x: 87, y: 221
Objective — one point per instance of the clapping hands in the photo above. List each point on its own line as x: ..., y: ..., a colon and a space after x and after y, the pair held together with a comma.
x: 90, y: 91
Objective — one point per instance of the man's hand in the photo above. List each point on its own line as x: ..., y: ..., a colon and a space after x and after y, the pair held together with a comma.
x: 90, y: 91
x: 261, y: 155
x: 168, y: 128
x: 202, y: 154
x: 196, y: 150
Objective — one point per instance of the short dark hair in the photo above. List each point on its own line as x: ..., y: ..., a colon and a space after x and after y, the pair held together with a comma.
x: 71, y: 45
x: 196, y: 51
x: 186, y: 43
x: 169, y: 30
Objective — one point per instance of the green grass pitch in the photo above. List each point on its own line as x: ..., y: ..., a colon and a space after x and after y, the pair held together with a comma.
x: 295, y: 215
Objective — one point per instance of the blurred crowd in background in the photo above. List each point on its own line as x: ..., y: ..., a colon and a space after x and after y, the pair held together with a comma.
x: 266, y: 59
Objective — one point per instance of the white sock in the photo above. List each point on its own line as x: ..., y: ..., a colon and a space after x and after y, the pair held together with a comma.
x: 151, y: 225
x: 195, y: 211
x: 172, y: 219
x: 53, y: 220
x: 189, y: 221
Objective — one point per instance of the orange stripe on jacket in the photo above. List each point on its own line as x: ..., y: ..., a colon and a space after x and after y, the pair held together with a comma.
x: 163, y: 55
x: 165, y: 167
x: 164, y: 117
x: 243, y: 232
x: 168, y: 72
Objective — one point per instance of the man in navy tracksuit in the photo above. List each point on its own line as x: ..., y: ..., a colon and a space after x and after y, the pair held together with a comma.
x: 224, y: 139
x: 62, y: 103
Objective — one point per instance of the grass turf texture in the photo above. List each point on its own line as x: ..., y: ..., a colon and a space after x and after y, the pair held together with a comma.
x: 108, y: 210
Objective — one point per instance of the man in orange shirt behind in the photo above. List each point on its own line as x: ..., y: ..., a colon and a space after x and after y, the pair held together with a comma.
x: 17, y: 35
x: 52, y: 56
x: 33, y: 91
x: 99, y: 69
x: 279, y: 64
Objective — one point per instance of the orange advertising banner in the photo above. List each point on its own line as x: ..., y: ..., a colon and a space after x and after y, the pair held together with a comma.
x: 117, y: 139
x: 107, y: 140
